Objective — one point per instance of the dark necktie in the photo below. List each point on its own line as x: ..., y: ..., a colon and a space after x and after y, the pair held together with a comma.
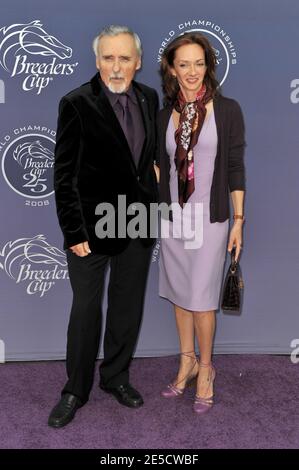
x: 127, y: 121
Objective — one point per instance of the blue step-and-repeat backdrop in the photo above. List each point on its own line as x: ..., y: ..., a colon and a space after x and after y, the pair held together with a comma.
x: 45, y: 51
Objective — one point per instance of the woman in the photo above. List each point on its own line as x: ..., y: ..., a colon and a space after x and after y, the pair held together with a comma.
x: 200, y: 160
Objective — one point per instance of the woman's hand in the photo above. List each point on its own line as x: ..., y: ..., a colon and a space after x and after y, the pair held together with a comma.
x: 235, y: 238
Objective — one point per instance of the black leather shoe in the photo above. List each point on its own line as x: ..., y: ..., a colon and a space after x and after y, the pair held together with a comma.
x: 125, y: 394
x: 64, y: 411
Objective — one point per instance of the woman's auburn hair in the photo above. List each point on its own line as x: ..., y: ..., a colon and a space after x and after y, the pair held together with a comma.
x: 170, y: 84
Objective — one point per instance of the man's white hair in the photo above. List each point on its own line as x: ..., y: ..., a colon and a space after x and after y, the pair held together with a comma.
x: 115, y: 30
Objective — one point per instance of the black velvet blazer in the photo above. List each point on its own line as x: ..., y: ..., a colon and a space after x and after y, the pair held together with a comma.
x: 93, y: 163
x: 229, y: 172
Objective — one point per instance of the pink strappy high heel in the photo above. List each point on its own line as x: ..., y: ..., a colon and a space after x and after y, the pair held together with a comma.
x: 172, y: 390
x: 203, y: 404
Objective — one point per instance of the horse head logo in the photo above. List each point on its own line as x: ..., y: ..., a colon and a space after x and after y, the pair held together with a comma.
x: 32, y: 39
x: 35, y: 250
x: 32, y: 149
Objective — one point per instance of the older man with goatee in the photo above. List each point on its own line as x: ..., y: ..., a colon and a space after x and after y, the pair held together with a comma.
x: 105, y: 148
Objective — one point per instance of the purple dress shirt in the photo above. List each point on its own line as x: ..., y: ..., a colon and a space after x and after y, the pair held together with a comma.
x: 135, y: 134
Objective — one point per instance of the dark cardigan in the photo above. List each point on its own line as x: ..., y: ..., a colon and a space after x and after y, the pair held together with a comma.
x: 229, y: 171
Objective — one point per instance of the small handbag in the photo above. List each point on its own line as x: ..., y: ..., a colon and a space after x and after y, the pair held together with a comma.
x: 233, y: 286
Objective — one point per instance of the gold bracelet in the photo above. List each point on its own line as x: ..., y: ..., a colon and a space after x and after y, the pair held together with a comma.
x: 236, y: 216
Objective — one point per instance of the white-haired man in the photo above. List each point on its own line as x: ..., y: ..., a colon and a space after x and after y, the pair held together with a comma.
x: 105, y: 148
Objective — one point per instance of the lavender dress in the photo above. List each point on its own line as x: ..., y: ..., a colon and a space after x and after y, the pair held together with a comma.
x: 192, y: 278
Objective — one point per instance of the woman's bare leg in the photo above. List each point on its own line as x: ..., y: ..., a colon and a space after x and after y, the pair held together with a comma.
x: 185, y: 327
x: 204, y: 323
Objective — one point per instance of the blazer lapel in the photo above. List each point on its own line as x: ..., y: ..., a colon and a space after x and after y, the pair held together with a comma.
x: 111, y: 122
x: 145, y: 112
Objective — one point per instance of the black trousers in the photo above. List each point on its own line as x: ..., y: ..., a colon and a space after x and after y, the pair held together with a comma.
x: 128, y: 275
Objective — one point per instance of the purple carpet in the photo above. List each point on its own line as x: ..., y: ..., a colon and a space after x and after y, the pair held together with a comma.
x: 256, y: 406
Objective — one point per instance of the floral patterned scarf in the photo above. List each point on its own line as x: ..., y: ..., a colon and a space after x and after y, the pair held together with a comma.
x: 192, y: 116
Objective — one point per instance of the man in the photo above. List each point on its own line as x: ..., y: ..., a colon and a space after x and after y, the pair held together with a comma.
x: 105, y: 148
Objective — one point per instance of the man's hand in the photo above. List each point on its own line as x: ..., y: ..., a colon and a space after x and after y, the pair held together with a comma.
x: 82, y: 249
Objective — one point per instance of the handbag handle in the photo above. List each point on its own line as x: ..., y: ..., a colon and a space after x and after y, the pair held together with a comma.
x: 234, y: 263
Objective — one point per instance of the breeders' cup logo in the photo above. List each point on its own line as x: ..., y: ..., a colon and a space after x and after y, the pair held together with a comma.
x: 25, y: 261
x: 218, y: 37
x: 295, y: 92
x: 28, y: 161
x: 21, y: 43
